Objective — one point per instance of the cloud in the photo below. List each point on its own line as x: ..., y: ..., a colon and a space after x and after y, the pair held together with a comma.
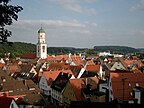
x: 76, y: 6
x: 79, y: 9
x: 137, y: 33
x: 58, y: 32
x: 138, y: 6
x: 72, y: 1
x: 50, y: 23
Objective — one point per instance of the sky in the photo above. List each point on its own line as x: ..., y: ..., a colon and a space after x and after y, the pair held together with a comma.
x: 80, y: 23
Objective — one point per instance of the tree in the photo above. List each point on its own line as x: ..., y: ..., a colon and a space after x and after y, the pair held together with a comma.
x: 8, y: 13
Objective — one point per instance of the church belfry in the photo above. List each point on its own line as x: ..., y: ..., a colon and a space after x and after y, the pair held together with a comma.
x: 41, y: 45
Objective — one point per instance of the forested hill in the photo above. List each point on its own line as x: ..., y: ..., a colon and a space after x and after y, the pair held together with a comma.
x: 116, y: 49
x: 17, y: 48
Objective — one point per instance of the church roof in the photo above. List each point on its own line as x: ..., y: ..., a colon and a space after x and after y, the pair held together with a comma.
x: 41, y: 30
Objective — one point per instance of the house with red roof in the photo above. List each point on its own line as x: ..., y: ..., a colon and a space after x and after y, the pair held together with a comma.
x: 118, y: 64
x: 74, y: 60
x: 57, y: 87
x: 89, y: 71
x: 47, y: 78
x: 54, y: 66
x: 134, y: 64
x: 82, y: 89
x: 11, y: 68
x: 27, y: 72
x: 127, y: 87
x: 27, y: 57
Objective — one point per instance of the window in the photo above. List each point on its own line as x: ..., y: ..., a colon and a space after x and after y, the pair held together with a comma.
x: 131, y: 93
x: 137, y: 84
x: 129, y: 84
x: 43, y: 48
x: 111, y: 99
x: 111, y: 92
x: 10, y: 91
x: 12, y: 105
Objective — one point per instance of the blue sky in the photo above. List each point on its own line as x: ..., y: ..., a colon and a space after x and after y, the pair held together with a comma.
x: 81, y: 23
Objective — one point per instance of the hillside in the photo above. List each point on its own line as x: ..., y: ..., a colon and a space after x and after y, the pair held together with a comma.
x: 116, y: 49
x: 18, y: 48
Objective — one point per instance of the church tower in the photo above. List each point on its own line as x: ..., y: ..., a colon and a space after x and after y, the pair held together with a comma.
x: 41, y: 45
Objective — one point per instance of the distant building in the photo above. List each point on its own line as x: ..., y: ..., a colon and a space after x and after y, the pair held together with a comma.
x: 106, y: 53
x: 41, y: 50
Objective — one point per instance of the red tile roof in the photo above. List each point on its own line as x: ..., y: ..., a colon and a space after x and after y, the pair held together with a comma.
x: 61, y: 57
x: 128, y: 62
x: 137, y: 62
x: 75, y: 70
x: 51, y: 58
x: 52, y: 75
x: 76, y: 59
x: 28, y: 56
x: 90, y: 62
x: 58, y: 66
x: 125, y: 82
x: 93, y: 68
x: 2, y: 64
x: 78, y: 84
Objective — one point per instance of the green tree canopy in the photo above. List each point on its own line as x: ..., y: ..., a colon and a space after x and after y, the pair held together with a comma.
x: 8, y: 13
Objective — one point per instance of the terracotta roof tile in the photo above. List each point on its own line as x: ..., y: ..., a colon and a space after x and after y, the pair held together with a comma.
x: 126, y: 80
x: 51, y: 58
x: 2, y: 64
x: 75, y: 70
x: 78, y: 84
x: 93, y: 68
x: 61, y: 57
x: 76, y: 59
x: 137, y: 62
x: 52, y: 75
x: 137, y: 71
x: 90, y: 62
x: 128, y: 62
x: 28, y: 56
x: 58, y: 66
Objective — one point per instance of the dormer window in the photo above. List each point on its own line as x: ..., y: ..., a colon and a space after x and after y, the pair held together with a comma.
x: 3, y: 79
x: 10, y: 91
x: 137, y: 84
x: 131, y: 93
x: 129, y: 84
